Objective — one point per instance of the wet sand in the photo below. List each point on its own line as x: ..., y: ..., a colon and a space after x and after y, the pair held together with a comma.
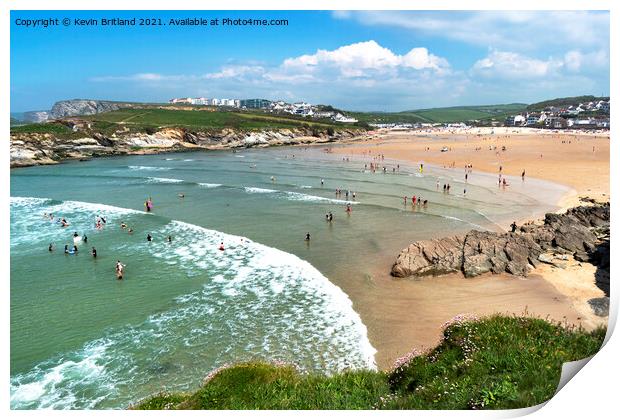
x: 402, y: 314
x: 578, y: 161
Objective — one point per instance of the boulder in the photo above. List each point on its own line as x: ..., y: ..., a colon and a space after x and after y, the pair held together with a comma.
x: 582, y: 231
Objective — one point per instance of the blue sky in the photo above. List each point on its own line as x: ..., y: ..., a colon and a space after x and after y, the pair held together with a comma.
x: 357, y: 60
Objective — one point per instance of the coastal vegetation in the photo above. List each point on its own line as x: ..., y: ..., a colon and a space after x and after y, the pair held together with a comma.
x: 563, y: 102
x: 498, y: 362
x: 442, y: 115
x: 198, y: 119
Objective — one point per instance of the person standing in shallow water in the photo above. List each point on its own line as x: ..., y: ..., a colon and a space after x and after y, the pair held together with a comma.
x: 307, y: 236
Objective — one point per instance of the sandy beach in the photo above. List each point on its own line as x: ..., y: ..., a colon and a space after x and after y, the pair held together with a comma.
x: 408, y: 313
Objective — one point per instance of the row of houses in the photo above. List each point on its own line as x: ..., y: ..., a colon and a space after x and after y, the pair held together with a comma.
x: 302, y: 109
x: 565, y: 117
x: 592, y: 106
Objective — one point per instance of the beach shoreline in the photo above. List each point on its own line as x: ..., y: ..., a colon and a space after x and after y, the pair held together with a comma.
x: 548, y: 292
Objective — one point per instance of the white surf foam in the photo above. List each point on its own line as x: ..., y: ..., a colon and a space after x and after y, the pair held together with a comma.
x: 256, y: 302
x: 207, y: 185
x: 149, y: 168
x: 296, y: 196
x: 153, y: 179
x: 256, y: 190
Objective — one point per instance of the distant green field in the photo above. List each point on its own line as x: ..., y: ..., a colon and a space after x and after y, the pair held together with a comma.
x: 151, y: 119
x: 442, y: 115
x: 199, y: 120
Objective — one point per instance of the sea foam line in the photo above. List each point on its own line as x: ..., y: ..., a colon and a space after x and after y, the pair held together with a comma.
x: 246, y: 268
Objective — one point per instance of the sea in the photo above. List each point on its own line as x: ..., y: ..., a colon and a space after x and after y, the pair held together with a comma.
x: 82, y: 339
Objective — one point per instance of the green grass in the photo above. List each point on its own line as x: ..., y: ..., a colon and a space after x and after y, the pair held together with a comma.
x: 442, y: 115
x: 563, y: 102
x: 201, y: 120
x: 498, y: 362
x: 151, y: 119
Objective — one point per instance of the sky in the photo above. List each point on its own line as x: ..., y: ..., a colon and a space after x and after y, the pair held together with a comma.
x: 357, y: 60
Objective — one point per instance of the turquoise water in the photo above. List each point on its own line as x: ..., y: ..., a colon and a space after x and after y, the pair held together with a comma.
x: 82, y: 339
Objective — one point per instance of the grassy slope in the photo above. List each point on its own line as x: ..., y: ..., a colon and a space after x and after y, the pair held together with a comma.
x: 145, y: 119
x: 561, y: 102
x: 442, y: 115
x: 497, y: 362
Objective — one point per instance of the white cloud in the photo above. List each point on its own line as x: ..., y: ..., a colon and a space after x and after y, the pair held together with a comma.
x: 512, y: 65
x: 363, y: 58
x: 139, y: 77
x: 525, y: 30
x: 235, y: 71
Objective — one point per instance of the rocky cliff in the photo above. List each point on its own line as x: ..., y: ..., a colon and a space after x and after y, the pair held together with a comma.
x: 28, y: 149
x: 582, y: 232
x: 73, y: 107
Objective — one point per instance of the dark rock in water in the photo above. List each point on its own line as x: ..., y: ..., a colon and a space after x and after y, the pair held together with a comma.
x: 581, y: 231
x: 600, y: 306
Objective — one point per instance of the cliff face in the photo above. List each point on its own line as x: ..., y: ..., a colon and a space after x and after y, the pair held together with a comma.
x: 75, y: 107
x: 28, y: 149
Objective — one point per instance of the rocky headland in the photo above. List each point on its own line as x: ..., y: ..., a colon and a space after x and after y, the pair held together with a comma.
x: 28, y: 149
x: 581, y: 233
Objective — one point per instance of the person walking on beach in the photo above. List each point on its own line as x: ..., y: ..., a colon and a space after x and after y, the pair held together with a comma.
x: 523, y: 175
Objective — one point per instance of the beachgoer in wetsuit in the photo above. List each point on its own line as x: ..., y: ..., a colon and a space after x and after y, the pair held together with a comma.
x: 513, y: 226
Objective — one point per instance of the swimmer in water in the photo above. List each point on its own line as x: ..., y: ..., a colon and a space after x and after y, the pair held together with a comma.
x: 307, y: 236
x: 181, y: 195
x: 66, y: 249
x: 169, y: 238
x: 50, y: 248
x: 93, y: 252
x: 75, y: 250
x: 130, y: 231
x: 84, y: 238
x: 322, y: 181
x: 149, y: 238
x: 221, y: 247
x: 120, y: 268
x: 123, y: 225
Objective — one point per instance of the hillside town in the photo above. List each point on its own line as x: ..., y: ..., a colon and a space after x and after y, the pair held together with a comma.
x: 588, y: 115
x: 302, y: 109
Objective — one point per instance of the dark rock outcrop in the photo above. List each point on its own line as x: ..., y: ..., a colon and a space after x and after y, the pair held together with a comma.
x: 582, y: 232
